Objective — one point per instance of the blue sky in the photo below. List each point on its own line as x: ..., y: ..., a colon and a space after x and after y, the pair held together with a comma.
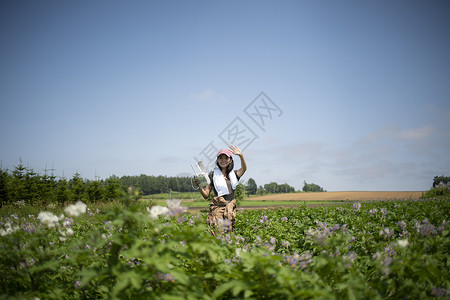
x: 357, y: 93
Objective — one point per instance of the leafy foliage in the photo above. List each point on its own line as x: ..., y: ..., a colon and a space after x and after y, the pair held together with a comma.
x: 311, y: 187
x: 440, y: 179
x: 441, y: 188
x: 369, y: 250
x: 436, y: 192
x: 251, y: 187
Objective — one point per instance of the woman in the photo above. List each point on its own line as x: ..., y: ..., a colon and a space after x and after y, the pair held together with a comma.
x: 222, y: 208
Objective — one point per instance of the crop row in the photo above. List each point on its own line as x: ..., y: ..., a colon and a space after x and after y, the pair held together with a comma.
x: 376, y: 250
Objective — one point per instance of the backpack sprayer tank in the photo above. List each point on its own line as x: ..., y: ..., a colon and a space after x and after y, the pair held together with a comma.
x: 201, y: 172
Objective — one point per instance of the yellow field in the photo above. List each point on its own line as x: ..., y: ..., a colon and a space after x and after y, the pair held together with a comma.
x: 351, y: 196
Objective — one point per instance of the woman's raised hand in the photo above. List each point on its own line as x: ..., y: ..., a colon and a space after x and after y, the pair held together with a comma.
x: 235, y: 150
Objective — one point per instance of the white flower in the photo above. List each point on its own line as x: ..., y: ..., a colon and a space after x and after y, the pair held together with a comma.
x: 403, y: 243
x: 74, y: 210
x: 48, y: 218
x: 69, y: 232
x: 174, y: 203
x: 8, y: 230
x: 224, y: 225
x: 238, y: 252
x: 175, y: 208
x: 156, y: 211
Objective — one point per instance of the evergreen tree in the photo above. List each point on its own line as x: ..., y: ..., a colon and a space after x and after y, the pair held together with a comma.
x: 32, y: 187
x: 17, y: 183
x: 62, y: 191
x: 4, y: 192
x: 113, y: 188
x: 77, y: 187
x: 95, y: 191
x: 47, y: 187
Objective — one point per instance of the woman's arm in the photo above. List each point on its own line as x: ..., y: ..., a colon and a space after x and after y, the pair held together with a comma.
x: 206, y: 191
x: 237, y: 151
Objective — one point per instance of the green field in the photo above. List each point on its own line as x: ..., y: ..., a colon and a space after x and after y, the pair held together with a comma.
x: 244, y: 203
x: 194, y: 196
x: 194, y: 199
x: 361, y: 250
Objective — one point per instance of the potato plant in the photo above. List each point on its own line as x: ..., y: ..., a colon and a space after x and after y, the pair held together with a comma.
x: 362, y: 250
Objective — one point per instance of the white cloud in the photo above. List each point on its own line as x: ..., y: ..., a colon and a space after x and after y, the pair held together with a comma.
x: 376, y: 170
x: 415, y: 133
x: 409, y: 134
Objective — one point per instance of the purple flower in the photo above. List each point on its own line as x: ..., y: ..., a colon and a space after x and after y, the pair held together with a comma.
x: 269, y: 246
x: 373, y: 211
x: 351, y: 256
x: 335, y: 227
x: 68, y: 222
x: 258, y: 240
x: 77, y: 284
x: 402, y: 224
x: 356, y: 207
x: 29, y: 227
x: 387, y: 233
x: 440, y: 292
x: 90, y: 213
x: 165, y: 277
x: 389, y: 251
x: 388, y: 261
x: 442, y: 227
x: 285, y: 244
x: 263, y: 219
x: 425, y: 228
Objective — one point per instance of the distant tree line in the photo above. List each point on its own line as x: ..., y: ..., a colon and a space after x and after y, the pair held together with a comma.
x: 275, y: 188
x: 251, y: 188
x: 149, y: 185
x: 24, y: 185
